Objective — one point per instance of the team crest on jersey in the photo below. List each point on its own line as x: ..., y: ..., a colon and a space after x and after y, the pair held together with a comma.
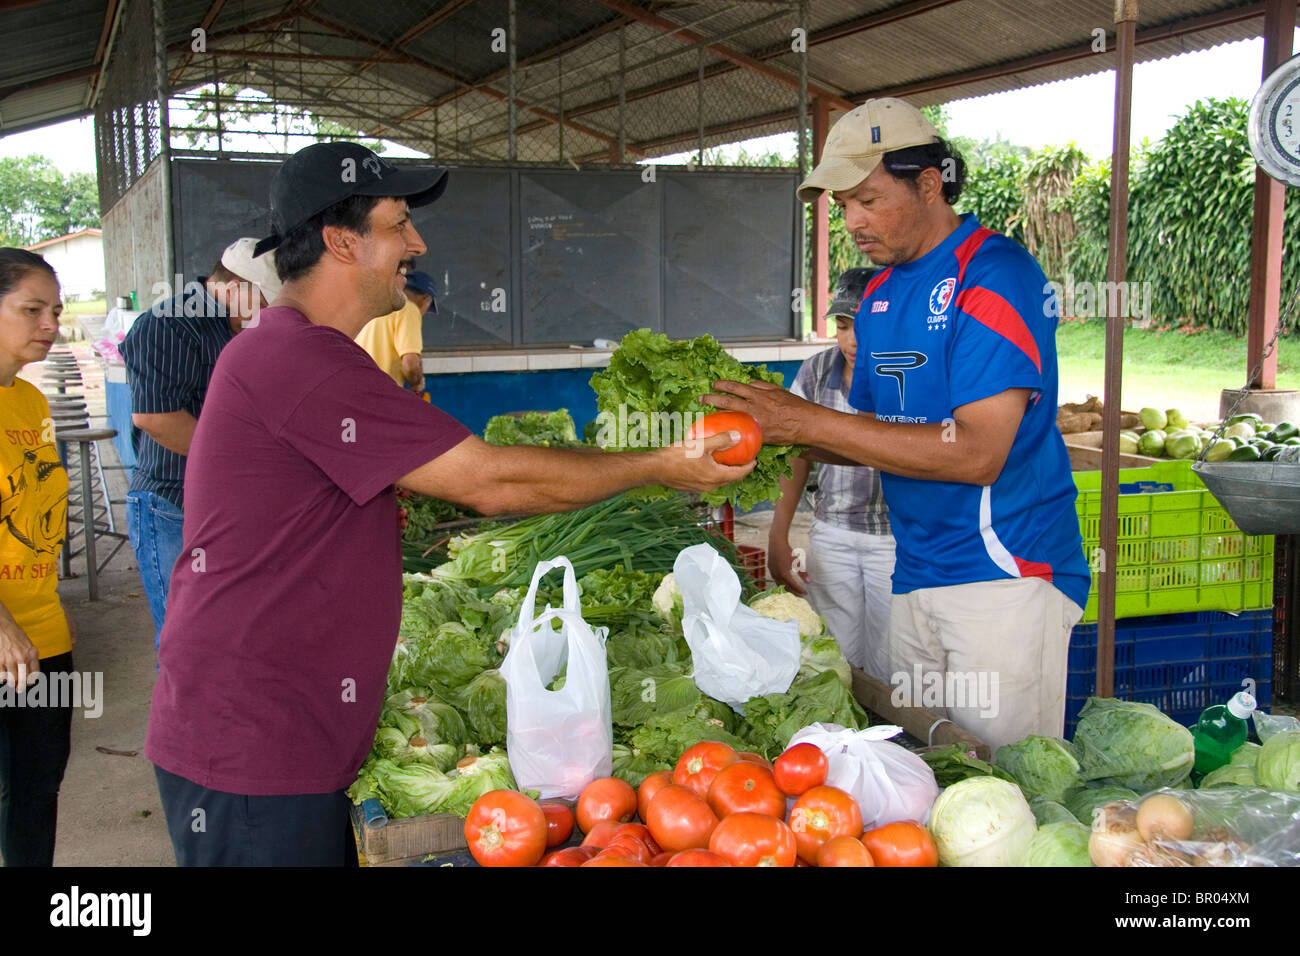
x: 941, y: 295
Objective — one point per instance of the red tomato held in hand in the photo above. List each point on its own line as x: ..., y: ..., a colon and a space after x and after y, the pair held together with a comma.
x: 679, y: 820
x: 820, y: 815
x: 569, y: 856
x: 741, y: 453
x: 800, y: 768
x: 844, y: 851
x: 698, y: 858
x: 700, y: 764
x: 506, y: 828
x: 901, y: 844
x: 559, y: 823
x: 607, y: 799
x: 754, y: 839
x: 746, y: 788
x: 649, y: 787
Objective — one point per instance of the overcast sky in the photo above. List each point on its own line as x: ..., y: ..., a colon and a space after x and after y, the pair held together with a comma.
x: 1081, y: 109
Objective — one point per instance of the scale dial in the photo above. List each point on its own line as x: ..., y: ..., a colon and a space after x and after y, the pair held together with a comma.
x: 1275, y: 123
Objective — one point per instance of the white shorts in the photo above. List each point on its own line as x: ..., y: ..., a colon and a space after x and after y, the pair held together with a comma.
x: 991, y: 656
x: 849, y: 576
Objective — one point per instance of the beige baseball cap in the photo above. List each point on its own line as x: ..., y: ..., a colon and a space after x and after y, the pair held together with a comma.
x: 260, y: 270
x: 863, y: 135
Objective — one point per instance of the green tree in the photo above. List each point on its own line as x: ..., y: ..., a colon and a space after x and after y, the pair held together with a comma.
x: 246, y: 112
x: 38, y: 202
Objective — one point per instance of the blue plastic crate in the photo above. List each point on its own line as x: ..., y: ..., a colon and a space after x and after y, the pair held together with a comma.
x: 1181, y: 663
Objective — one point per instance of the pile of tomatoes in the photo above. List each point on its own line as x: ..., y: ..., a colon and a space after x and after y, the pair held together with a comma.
x: 717, y: 807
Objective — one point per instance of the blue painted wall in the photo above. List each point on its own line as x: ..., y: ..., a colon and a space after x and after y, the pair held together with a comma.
x: 474, y: 397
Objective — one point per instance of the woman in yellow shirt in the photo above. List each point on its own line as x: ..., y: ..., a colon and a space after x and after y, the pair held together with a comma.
x: 35, y: 633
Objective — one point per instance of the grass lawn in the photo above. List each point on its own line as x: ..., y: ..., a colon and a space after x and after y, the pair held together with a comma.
x: 1164, y: 369
x: 88, y: 307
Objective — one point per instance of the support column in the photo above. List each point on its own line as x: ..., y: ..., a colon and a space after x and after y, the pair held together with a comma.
x: 164, y: 141
x: 821, y: 268
x: 1126, y: 14
x: 1268, y: 223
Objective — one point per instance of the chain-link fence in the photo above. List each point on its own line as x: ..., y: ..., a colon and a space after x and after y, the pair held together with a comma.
x: 127, y: 123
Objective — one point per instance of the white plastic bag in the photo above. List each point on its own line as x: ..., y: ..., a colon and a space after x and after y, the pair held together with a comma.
x: 558, y: 741
x: 889, y: 782
x: 738, y: 653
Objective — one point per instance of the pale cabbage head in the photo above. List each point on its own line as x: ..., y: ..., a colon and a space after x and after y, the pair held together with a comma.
x: 982, y: 821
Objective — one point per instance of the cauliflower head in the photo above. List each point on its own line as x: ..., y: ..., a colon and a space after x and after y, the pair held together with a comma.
x: 783, y: 606
x: 667, y: 601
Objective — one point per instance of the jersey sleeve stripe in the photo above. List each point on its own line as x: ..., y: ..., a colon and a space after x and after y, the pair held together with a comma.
x: 969, y: 246
x: 990, y: 309
x: 875, y: 283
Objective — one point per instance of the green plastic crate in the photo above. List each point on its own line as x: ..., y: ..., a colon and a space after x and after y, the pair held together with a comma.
x: 1178, y: 550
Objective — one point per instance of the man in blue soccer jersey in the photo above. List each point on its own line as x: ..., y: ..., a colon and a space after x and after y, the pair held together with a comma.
x: 956, y: 395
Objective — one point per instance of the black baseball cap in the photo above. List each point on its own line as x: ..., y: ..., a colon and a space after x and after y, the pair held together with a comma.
x: 423, y: 283
x: 849, y: 291
x: 318, y: 176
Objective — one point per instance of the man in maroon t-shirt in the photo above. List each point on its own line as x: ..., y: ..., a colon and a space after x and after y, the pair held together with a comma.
x: 285, y: 605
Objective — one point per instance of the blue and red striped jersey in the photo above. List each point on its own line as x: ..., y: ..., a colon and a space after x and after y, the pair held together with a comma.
x: 968, y: 320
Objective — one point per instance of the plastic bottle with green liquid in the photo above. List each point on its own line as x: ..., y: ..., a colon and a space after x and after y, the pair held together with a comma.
x: 1220, y: 730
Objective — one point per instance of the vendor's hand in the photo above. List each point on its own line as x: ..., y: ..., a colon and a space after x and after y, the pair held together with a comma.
x: 780, y: 414
x: 690, y: 466
x: 780, y: 565
x: 19, y: 660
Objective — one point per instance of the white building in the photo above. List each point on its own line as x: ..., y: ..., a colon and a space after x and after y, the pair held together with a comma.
x: 78, y: 259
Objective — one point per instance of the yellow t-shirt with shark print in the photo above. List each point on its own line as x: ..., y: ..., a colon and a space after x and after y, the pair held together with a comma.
x: 33, y: 518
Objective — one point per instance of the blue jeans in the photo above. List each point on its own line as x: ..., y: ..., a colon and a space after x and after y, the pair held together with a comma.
x: 154, y: 526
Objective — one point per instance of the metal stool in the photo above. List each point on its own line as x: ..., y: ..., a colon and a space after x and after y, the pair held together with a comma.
x: 85, y: 439
x: 60, y: 381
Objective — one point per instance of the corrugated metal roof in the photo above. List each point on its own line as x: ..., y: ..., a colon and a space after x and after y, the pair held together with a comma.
x: 405, y: 68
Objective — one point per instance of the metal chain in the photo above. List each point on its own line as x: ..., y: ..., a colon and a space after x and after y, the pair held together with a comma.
x: 1254, y: 375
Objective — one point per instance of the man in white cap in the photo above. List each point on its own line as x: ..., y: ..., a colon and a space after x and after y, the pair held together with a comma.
x: 170, y: 353
x: 955, y: 392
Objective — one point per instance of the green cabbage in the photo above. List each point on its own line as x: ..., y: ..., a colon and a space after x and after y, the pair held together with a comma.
x: 982, y: 821
x: 1132, y: 745
x: 483, y: 701
x: 1048, y: 811
x: 419, y: 788
x: 547, y: 429
x: 642, y: 646
x: 1279, y: 762
x: 665, y: 738
x: 417, y: 711
x: 1082, y: 801
x: 818, y: 654
x: 1247, y: 755
x: 954, y: 762
x: 1042, y: 766
x: 454, y: 655
x: 1230, y: 775
x: 772, y: 719
x: 1060, y: 844
x: 632, y: 766
x: 637, y: 695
